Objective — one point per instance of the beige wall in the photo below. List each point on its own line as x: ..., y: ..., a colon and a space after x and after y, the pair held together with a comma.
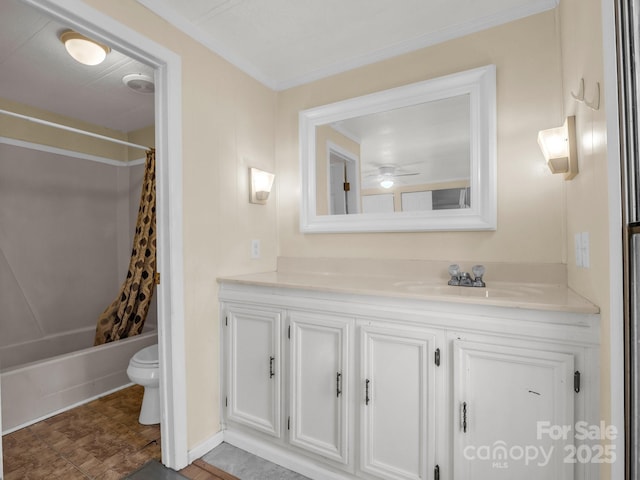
x: 228, y: 126
x: 587, y: 195
x: 530, y: 200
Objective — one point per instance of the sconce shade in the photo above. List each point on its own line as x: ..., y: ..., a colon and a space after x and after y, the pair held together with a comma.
x: 558, y: 146
x: 83, y: 49
x: 260, y: 183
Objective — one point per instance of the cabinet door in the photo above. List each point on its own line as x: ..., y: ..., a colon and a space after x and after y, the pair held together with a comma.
x: 397, y: 403
x: 254, y: 368
x: 500, y: 396
x: 319, y: 358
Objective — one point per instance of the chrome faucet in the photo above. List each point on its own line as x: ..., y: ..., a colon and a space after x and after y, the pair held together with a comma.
x: 463, y: 279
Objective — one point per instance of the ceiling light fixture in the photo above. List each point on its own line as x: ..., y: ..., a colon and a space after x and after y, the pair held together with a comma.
x: 83, y: 49
x: 387, y: 182
x: 386, y: 176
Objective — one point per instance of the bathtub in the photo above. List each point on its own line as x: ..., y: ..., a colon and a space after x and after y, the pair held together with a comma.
x: 46, y: 376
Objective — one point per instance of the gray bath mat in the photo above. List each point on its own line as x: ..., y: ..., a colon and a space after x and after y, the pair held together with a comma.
x: 154, y: 470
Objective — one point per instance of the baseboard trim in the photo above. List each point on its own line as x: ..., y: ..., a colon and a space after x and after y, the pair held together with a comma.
x: 288, y: 460
x: 205, y: 447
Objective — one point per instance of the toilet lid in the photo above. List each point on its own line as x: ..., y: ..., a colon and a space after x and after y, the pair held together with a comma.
x: 147, y: 356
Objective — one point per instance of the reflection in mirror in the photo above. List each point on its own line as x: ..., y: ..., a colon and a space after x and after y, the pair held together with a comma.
x: 412, y: 158
x: 417, y: 157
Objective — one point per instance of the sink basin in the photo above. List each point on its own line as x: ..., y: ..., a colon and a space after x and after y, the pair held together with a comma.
x: 414, y: 283
x: 492, y: 291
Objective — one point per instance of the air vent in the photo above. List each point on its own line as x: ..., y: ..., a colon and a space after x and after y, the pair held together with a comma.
x: 139, y: 83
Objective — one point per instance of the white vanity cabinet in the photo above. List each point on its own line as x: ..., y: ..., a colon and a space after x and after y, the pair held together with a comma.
x: 253, y: 362
x: 352, y: 386
x: 320, y: 373
x: 502, y: 394
x: 397, y: 398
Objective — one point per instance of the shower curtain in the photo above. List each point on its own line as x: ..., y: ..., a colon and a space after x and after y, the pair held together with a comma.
x: 126, y: 315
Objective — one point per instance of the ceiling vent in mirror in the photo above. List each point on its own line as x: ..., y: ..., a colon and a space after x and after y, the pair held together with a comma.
x: 139, y: 82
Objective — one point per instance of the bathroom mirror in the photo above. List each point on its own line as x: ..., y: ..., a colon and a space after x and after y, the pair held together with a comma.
x: 414, y: 158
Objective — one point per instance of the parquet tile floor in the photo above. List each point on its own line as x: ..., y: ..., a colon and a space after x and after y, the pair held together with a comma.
x: 101, y: 440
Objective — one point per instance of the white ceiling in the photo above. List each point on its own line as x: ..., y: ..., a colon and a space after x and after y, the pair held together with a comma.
x: 425, y: 143
x: 36, y: 70
x: 284, y: 43
x: 281, y: 43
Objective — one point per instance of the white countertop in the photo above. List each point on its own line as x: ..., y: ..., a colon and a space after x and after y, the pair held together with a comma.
x: 535, y: 296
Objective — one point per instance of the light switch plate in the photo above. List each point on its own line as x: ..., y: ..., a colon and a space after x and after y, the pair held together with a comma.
x: 578, y: 249
x: 582, y: 249
x: 255, y: 248
x: 585, y: 249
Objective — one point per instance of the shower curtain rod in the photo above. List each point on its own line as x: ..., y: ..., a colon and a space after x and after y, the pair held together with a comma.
x: 74, y: 130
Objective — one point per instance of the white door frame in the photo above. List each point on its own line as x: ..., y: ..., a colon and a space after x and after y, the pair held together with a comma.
x: 352, y: 161
x: 616, y: 301
x: 168, y: 131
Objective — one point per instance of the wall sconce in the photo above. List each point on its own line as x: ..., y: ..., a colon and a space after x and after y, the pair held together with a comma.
x: 558, y: 146
x: 260, y: 183
x: 83, y: 49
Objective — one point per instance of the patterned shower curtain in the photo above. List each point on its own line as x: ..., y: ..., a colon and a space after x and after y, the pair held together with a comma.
x: 126, y: 315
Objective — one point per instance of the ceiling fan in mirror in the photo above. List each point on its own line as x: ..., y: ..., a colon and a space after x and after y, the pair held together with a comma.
x: 388, y: 174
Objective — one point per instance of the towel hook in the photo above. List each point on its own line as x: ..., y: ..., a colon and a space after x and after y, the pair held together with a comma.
x: 580, y: 95
x: 595, y: 103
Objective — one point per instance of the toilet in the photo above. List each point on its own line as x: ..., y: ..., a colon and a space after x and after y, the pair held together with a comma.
x: 144, y: 369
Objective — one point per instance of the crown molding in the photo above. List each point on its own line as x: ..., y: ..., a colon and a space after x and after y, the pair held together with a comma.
x: 279, y: 84
x: 199, y: 35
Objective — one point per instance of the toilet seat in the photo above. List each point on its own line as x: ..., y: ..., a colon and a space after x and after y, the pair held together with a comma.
x: 146, y: 358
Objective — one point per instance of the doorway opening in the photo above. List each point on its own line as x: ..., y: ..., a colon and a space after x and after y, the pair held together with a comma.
x: 344, y: 181
x: 168, y: 137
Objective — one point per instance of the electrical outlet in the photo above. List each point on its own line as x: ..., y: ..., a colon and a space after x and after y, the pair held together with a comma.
x: 255, y: 248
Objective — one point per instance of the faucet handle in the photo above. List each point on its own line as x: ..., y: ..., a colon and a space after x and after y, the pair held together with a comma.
x: 454, y: 271
x: 478, y: 272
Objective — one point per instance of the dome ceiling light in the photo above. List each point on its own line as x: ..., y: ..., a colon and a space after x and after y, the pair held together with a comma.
x: 83, y: 49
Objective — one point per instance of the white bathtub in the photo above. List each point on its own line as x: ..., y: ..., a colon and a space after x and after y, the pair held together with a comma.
x: 46, y: 376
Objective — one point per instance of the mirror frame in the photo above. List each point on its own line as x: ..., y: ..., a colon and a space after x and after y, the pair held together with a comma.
x: 480, y: 85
